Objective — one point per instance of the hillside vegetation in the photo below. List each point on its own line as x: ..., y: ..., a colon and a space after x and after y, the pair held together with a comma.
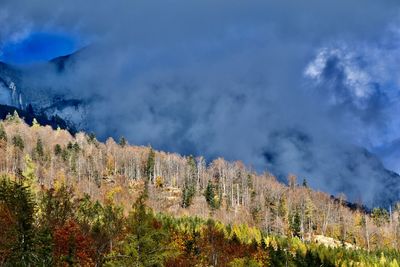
x: 74, y: 201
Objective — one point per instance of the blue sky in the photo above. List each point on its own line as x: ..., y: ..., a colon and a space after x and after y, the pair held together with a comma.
x: 38, y: 46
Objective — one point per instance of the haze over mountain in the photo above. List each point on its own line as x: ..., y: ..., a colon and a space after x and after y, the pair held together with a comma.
x: 308, y: 88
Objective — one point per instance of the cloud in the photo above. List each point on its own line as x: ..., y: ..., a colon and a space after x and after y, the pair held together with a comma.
x: 227, y: 78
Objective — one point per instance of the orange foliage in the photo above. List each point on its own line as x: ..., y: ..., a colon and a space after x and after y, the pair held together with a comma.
x: 7, y: 233
x: 72, y: 246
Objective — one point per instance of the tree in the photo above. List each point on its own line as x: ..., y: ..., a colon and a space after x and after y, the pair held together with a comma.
x: 57, y: 150
x: 305, y: 184
x: 189, y: 187
x: 123, y: 142
x: 29, y: 172
x: 57, y: 205
x: 295, y: 224
x: 35, y: 124
x: 212, y: 196
x: 188, y: 193
x: 18, y: 142
x: 91, y: 139
x: 17, y: 199
x: 292, y: 181
x: 71, y: 246
x: 380, y: 216
x: 244, y: 262
x: 146, y: 243
x: 39, y: 151
x: 3, y: 134
x: 13, y: 118
x: 150, y: 165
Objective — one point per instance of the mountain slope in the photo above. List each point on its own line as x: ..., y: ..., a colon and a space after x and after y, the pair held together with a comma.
x: 21, y: 86
x: 332, y: 167
x: 177, y: 185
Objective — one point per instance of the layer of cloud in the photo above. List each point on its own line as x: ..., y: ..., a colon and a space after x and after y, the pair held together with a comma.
x: 227, y: 78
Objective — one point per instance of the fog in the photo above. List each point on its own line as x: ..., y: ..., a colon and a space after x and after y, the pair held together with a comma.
x: 305, y: 87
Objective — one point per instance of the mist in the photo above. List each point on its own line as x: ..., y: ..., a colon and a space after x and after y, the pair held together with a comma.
x: 305, y: 88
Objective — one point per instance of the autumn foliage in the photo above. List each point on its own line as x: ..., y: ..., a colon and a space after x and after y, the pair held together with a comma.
x: 74, y: 201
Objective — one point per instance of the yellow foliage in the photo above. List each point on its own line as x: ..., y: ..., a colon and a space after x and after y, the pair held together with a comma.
x: 29, y: 173
x: 298, y: 245
x: 394, y: 263
x: 110, y: 165
x: 159, y: 182
x: 35, y: 124
x: 60, y: 180
x: 110, y: 194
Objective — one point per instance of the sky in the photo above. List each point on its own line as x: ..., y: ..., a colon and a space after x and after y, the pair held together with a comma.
x: 38, y: 47
x: 304, y: 87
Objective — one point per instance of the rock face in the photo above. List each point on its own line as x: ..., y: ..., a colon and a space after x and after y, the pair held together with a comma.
x: 25, y: 88
x: 331, y: 242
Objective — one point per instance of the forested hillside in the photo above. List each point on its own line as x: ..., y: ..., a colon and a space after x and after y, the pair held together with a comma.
x: 74, y: 201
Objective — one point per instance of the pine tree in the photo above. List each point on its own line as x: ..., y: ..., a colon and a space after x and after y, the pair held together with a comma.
x: 123, y: 142
x: 189, y: 187
x: 30, y: 172
x: 146, y: 242
x: 295, y: 224
x: 56, y: 205
x: 19, y: 201
x: 39, y: 151
x: 211, y: 196
x: 150, y: 165
x: 18, y: 142
x: 57, y: 150
x: 3, y: 134
x: 91, y: 139
x: 305, y: 184
x: 188, y: 193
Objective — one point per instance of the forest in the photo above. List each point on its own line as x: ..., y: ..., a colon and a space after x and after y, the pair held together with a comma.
x: 70, y: 200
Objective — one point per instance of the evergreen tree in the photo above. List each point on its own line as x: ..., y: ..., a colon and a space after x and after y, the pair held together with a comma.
x: 39, y: 151
x: 57, y: 150
x: 380, y: 216
x: 103, y: 223
x: 19, y: 201
x: 211, y: 196
x: 305, y: 184
x: 188, y: 193
x: 91, y: 139
x: 29, y: 173
x: 123, y: 142
x: 57, y: 206
x: 18, y: 142
x: 3, y: 134
x: 150, y: 165
x: 189, y: 187
x: 146, y: 243
x: 295, y: 224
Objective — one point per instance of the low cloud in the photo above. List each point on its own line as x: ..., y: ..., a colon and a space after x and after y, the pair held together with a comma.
x: 291, y: 87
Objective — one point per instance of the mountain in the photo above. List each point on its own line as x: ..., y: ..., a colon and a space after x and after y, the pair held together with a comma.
x: 348, y: 169
x: 91, y: 202
x: 24, y: 87
x: 28, y: 116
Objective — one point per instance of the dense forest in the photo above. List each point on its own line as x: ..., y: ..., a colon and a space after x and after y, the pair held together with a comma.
x: 74, y: 201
